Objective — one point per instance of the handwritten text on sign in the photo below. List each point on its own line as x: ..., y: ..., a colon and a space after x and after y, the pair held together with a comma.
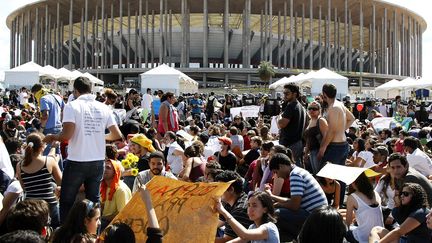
x: 184, y: 210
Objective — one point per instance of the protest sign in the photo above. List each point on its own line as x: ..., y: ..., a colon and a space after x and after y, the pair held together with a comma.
x: 250, y: 111
x: 245, y: 111
x: 184, y: 210
x: 274, y: 129
x: 344, y: 173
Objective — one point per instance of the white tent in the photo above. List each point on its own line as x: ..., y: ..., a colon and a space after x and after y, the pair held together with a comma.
x: 49, y: 72
x: 424, y: 83
x: 315, y: 81
x: 278, y: 85
x: 387, y: 90
x: 25, y: 75
x: 168, y: 79
x: 66, y: 74
x: 304, y: 78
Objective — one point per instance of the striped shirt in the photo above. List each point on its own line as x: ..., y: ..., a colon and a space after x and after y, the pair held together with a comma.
x: 304, y: 184
x: 39, y: 185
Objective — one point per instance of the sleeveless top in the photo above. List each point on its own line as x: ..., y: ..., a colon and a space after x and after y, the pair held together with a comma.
x: 171, y: 127
x: 38, y: 185
x: 310, y: 135
x: 197, y: 172
x: 367, y: 217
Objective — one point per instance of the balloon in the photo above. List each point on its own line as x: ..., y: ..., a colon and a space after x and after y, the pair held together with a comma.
x: 359, y: 107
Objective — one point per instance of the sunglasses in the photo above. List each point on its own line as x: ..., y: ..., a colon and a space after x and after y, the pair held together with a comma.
x: 313, y: 109
x: 405, y: 194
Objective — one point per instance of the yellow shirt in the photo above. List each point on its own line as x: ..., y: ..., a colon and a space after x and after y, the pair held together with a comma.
x: 120, y: 199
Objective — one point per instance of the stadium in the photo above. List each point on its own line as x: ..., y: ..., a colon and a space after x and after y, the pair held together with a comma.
x: 217, y: 42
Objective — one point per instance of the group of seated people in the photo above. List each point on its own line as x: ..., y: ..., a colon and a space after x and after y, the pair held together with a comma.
x: 272, y: 198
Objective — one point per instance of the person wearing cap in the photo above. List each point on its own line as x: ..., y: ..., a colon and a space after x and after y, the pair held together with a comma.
x: 225, y: 157
x: 115, y: 194
x: 156, y: 163
x: 140, y: 146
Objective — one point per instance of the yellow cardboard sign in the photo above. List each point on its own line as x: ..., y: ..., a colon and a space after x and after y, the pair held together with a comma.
x: 184, y: 210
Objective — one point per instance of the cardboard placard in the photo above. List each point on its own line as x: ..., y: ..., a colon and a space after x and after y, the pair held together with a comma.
x: 184, y: 210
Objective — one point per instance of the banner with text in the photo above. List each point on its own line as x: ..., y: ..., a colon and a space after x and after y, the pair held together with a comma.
x: 245, y: 111
x: 184, y: 210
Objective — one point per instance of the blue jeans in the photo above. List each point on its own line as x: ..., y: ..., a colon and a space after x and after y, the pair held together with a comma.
x: 316, y: 165
x: 337, y: 153
x: 48, y: 147
x: 55, y: 215
x: 5, y: 180
x: 290, y: 222
x: 297, y: 150
x: 74, y: 175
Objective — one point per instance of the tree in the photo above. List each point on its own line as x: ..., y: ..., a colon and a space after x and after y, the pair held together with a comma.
x: 266, y: 71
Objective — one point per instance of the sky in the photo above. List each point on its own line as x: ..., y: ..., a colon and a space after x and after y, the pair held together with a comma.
x: 421, y: 7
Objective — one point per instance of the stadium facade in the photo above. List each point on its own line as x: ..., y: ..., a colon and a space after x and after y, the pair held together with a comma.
x: 217, y: 41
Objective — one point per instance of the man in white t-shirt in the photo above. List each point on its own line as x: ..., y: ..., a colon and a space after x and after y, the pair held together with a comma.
x: 84, y: 124
x: 146, y: 102
x: 23, y: 97
x: 417, y: 159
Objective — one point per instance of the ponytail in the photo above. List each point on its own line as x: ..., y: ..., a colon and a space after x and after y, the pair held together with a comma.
x: 34, y: 144
x: 28, y: 154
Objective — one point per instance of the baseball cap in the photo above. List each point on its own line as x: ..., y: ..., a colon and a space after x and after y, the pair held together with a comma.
x: 225, y: 140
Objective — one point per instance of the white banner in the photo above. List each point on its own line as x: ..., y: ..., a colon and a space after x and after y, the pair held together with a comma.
x: 245, y: 111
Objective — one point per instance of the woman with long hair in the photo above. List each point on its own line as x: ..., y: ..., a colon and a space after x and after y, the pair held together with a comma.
x: 36, y: 173
x: 261, y: 211
x: 313, y: 135
x: 132, y: 100
x: 365, y: 203
x: 361, y: 156
x: 331, y: 189
x: 386, y: 189
x: 193, y: 164
x: 410, y: 213
x: 83, y: 218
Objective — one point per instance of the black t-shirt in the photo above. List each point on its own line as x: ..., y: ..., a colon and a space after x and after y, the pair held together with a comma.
x: 252, y: 155
x: 143, y: 163
x: 239, y: 212
x: 227, y: 162
x: 293, y: 132
x: 421, y: 234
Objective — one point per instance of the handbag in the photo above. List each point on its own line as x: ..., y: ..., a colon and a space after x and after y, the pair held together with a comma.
x: 319, y: 136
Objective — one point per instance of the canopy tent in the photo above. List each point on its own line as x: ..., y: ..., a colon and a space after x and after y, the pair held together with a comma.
x: 49, y: 72
x: 323, y: 76
x: 387, y: 90
x: 25, y: 75
x: 424, y: 83
x: 168, y: 79
x: 407, y: 86
x: 315, y: 80
x: 97, y: 84
x: 278, y: 85
x: 300, y: 79
x: 66, y: 75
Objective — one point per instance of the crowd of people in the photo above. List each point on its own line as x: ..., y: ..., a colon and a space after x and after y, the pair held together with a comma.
x: 70, y: 163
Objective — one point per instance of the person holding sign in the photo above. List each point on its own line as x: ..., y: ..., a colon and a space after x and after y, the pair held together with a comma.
x: 261, y: 211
